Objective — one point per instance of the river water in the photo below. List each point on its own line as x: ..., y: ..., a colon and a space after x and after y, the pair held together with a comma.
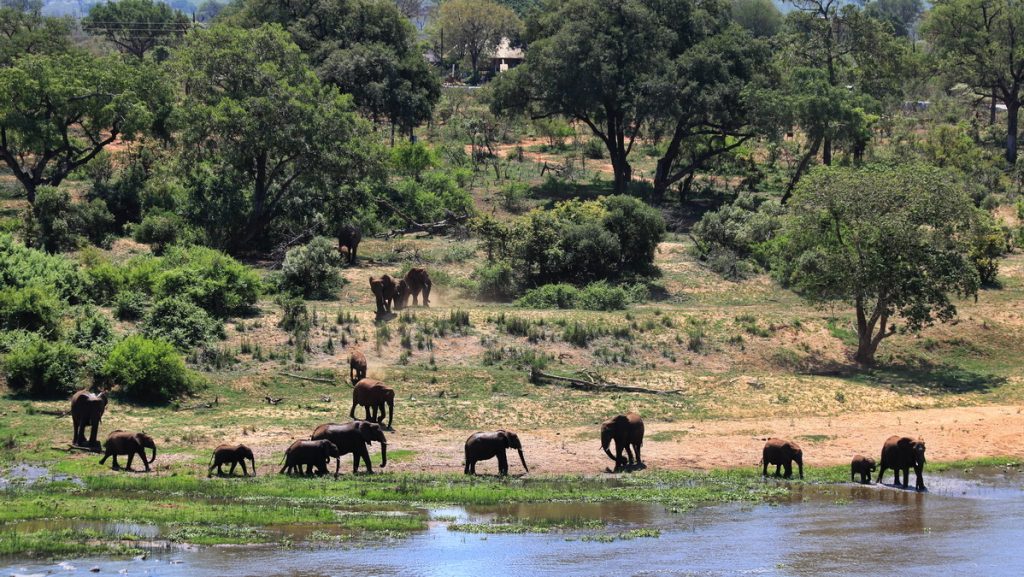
x: 962, y: 526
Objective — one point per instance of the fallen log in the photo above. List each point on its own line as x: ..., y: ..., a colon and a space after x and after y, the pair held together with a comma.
x: 58, y: 414
x: 431, y: 228
x: 314, y: 379
x: 536, y: 375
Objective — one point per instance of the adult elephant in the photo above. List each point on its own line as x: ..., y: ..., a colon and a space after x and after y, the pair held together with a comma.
x: 356, y: 366
x: 374, y: 396
x: 87, y: 411
x: 628, y: 433
x: 416, y: 281
x: 900, y: 454
x: 311, y: 455
x: 483, y: 446
x: 782, y: 453
x: 383, y: 290
x: 349, y: 236
x: 354, y: 438
x: 130, y: 444
x: 234, y: 454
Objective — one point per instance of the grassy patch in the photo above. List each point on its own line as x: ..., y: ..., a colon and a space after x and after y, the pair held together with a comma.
x: 63, y: 542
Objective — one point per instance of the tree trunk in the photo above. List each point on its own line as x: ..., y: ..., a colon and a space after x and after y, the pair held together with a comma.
x: 800, y: 169
x: 623, y: 172
x: 1012, y: 108
x: 826, y: 153
x: 992, y: 108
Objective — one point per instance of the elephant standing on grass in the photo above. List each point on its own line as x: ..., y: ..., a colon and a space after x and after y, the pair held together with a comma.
x: 780, y: 452
x: 900, y: 454
x: 131, y: 444
x: 376, y: 396
x: 87, y: 411
x: 356, y: 366
x: 354, y: 438
x: 628, y: 432
x: 483, y: 446
x: 234, y: 454
x: 349, y: 236
x: 417, y: 280
x: 311, y: 455
x: 862, y: 466
x: 383, y: 289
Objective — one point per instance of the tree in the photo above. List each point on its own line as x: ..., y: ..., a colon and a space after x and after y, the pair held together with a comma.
x: 57, y: 112
x: 761, y: 17
x: 474, y: 28
x: 136, y: 26
x: 902, y: 15
x: 262, y: 137
x: 894, y: 241
x: 676, y: 68
x: 981, y: 42
x: 29, y: 32
x: 365, y: 47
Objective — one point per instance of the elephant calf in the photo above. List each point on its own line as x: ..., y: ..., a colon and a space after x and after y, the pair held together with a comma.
x: 483, y: 446
x: 862, y: 466
x: 374, y: 396
x: 782, y: 453
x: 900, y: 454
x: 310, y: 454
x: 234, y: 454
x: 131, y: 444
x: 356, y: 366
x: 354, y: 438
x: 417, y: 280
x: 628, y: 432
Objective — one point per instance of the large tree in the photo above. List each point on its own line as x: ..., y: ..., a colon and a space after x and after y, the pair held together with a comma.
x: 262, y: 137
x: 367, y: 48
x: 57, y: 112
x: 29, y: 32
x: 677, y: 68
x: 892, y: 241
x: 472, y: 29
x: 981, y: 42
x: 136, y: 26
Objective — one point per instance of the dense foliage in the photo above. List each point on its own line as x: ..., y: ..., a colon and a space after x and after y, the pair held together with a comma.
x: 312, y: 270
x: 147, y: 370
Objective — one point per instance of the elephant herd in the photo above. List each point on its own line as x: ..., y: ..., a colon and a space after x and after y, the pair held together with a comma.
x: 898, y: 453
x: 332, y: 441
x: 389, y: 293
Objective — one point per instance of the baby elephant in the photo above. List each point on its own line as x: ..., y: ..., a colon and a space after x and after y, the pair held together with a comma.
x: 311, y: 454
x: 131, y: 444
x: 863, y: 466
x: 234, y: 454
x: 782, y: 453
x: 357, y: 366
x: 483, y: 446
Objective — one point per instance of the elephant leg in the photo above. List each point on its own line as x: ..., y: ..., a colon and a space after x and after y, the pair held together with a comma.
x: 502, y: 464
x: 778, y: 467
x: 469, y: 466
x: 232, y: 470
x: 920, y: 478
x: 906, y: 477
x: 881, y: 471
x: 638, y: 460
x: 142, y: 455
x: 92, y: 435
x: 245, y: 471
x: 764, y: 468
x: 629, y: 455
x: 789, y: 470
x: 105, y: 457
x: 352, y: 411
x: 366, y: 410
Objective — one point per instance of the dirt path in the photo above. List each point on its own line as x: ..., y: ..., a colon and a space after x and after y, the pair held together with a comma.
x: 951, y: 434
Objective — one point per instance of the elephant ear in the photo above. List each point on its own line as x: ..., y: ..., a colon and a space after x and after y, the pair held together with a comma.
x: 503, y: 435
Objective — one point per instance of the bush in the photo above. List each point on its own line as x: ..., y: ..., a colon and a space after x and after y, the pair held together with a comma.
x: 147, y: 370
x: 180, y: 322
x: 159, y: 230
x: 639, y: 228
x: 214, y: 281
x: 597, y: 296
x: 737, y: 232
x: 92, y: 329
x: 495, y: 281
x: 51, y: 222
x: 95, y: 221
x: 412, y: 159
x: 130, y: 305
x: 21, y: 266
x: 30, y: 309
x: 104, y: 280
x: 512, y: 195
x: 594, y: 149
x: 601, y: 296
x: 40, y: 368
x: 550, y: 296
x: 312, y: 270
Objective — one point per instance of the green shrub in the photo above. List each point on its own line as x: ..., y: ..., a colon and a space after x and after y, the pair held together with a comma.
x: 91, y: 330
x: 41, y: 368
x: 130, y: 305
x: 594, y: 149
x: 180, y: 322
x: 512, y: 195
x: 495, y: 281
x: 214, y: 281
x: 160, y: 230
x: 21, y: 266
x: 30, y: 309
x: 730, y: 237
x: 601, y: 296
x: 95, y: 221
x: 104, y: 281
x: 550, y: 296
x: 147, y: 370
x: 597, y: 296
x: 412, y: 159
x: 639, y: 228
x: 51, y: 223
x: 312, y: 270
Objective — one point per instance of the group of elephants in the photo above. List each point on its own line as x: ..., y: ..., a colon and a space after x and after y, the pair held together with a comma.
x: 898, y: 453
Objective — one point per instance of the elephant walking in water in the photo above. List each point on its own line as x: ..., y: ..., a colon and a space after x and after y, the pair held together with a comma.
x: 483, y: 446
x: 87, y: 411
x: 234, y: 454
x: 354, y: 438
x: 782, y: 453
x: 628, y: 432
x: 131, y: 444
x: 900, y: 454
x: 863, y: 466
x: 374, y: 396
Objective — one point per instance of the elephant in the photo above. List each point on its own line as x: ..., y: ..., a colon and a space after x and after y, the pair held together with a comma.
x: 416, y: 280
x: 131, y: 444
x: 627, y: 431
x: 483, y: 446
x: 782, y: 453
x: 234, y: 454
x: 86, y: 411
x: 383, y: 290
x: 349, y: 236
x: 355, y: 437
x: 863, y: 466
x: 900, y: 454
x: 311, y: 454
x: 375, y: 395
x: 356, y: 366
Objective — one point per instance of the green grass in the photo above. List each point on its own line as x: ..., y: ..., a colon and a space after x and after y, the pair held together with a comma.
x: 63, y: 542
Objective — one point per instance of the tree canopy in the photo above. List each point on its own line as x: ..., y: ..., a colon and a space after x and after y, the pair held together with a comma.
x: 136, y: 26
x: 893, y: 241
x: 29, y: 32
x: 471, y: 29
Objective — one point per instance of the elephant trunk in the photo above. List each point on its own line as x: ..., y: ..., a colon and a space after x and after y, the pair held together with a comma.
x: 523, y: 460
x: 383, y: 454
x: 609, y: 453
x: 154, y: 455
